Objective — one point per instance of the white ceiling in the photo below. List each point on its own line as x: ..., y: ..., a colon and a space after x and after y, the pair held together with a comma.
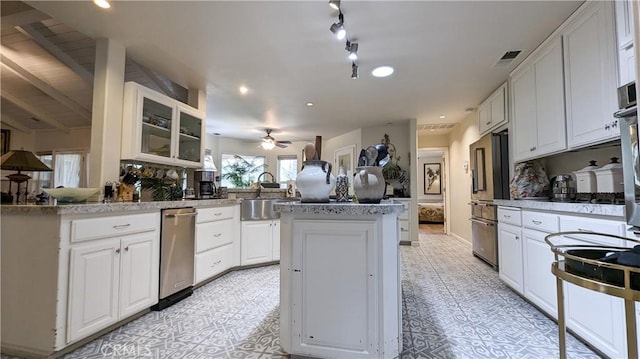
x: 444, y: 53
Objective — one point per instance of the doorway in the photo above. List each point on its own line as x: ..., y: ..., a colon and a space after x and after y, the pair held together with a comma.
x: 433, y: 181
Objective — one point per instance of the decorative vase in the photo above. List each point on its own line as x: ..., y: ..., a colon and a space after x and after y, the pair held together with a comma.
x: 315, y: 181
x: 369, y: 184
x: 342, y: 186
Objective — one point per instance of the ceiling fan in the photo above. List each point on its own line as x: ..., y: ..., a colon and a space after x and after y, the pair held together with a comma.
x: 269, y: 142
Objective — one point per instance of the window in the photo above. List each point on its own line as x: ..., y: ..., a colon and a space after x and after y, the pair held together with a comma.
x: 240, y: 171
x: 69, y: 170
x: 287, y: 169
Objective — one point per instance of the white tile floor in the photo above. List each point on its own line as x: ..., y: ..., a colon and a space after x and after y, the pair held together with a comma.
x: 454, y: 306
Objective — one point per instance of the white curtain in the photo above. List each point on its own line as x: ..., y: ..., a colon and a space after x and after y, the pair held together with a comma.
x: 68, y: 169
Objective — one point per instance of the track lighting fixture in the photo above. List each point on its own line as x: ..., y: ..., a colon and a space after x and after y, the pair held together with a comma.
x: 352, y: 47
x: 354, y: 71
x: 337, y: 28
x: 335, y: 4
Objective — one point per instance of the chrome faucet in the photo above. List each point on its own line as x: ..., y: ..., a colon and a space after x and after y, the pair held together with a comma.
x: 273, y: 178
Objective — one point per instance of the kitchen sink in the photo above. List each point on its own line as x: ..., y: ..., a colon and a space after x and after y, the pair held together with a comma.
x: 257, y: 209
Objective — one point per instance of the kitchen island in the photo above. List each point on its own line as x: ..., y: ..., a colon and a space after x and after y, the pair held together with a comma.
x: 340, y: 280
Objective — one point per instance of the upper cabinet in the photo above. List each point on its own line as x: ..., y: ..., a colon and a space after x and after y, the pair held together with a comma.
x: 492, y: 112
x: 159, y: 129
x: 625, y: 43
x: 590, y: 75
x: 538, y: 103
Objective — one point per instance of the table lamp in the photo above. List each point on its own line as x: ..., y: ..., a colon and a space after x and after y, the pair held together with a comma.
x: 21, y: 160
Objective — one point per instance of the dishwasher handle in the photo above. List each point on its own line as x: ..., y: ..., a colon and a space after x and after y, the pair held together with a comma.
x: 172, y: 215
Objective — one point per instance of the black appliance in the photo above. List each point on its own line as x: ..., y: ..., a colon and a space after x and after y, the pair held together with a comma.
x: 490, y: 180
x: 205, y: 184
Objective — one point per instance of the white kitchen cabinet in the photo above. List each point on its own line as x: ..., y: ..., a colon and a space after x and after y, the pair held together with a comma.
x: 275, y: 240
x: 258, y: 239
x: 590, y: 75
x: 217, y: 241
x: 605, y: 327
x: 510, y: 256
x: 625, y: 43
x: 539, y: 282
x: 159, y: 129
x: 537, y: 98
x: 492, y: 111
x: 93, y: 288
x: 111, y: 279
x: 403, y: 222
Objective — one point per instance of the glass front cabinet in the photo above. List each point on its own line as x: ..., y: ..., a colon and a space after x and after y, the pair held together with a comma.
x: 159, y: 129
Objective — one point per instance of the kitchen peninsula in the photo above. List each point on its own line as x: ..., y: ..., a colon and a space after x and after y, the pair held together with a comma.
x: 340, y: 280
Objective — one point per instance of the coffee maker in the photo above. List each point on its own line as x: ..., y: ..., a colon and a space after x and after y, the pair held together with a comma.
x: 205, y: 184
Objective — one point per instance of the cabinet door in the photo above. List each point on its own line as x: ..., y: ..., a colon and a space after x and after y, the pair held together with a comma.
x: 93, y: 287
x: 484, y: 118
x: 510, y: 255
x: 590, y: 81
x: 539, y: 282
x: 139, y: 272
x: 156, y: 124
x: 550, y: 130
x: 256, y: 245
x: 523, y: 98
x: 626, y: 50
x: 498, y: 107
x: 275, y: 232
x: 189, y: 142
x: 334, y: 285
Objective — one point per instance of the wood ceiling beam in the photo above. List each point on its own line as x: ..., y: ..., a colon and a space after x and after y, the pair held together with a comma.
x: 43, y: 86
x: 156, y: 80
x: 9, y: 120
x: 35, y: 112
x: 30, y: 31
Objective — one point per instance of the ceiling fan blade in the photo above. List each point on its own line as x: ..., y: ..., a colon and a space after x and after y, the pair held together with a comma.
x: 287, y: 142
x: 279, y: 144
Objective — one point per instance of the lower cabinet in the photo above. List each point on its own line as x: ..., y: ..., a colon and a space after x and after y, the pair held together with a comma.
x: 510, y: 256
x: 539, y: 282
x: 111, y: 279
x: 258, y: 241
x: 217, y: 241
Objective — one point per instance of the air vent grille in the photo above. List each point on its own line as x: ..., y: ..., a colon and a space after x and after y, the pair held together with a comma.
x: 437, y: 126
x: 508, y: 57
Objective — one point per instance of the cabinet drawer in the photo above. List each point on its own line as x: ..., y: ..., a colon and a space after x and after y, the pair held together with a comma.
x: 571, y: 223
x: 212, y: 262
x: 214, y: 214
x: 545, y: 222
x: 94, y: 228
x: 509, y: 216
x: 404, y: 215
x: 213, y: 234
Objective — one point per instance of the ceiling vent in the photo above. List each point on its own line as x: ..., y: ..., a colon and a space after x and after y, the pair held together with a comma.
x: 437, y: 126
x: 508, y: 57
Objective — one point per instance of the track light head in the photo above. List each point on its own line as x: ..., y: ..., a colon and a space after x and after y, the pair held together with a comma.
x: 352, y: 47
x: 335, y: 4
x: 337, y: 28
x: 354, y: 71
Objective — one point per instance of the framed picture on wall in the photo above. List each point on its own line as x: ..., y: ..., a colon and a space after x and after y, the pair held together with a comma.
x: 432, y: 176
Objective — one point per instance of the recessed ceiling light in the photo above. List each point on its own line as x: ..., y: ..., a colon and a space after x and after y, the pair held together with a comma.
x: 443, y: 116
x: 382, y: 71
x: 102, y: 3
x: 243, y: 90
x: 309, y: 104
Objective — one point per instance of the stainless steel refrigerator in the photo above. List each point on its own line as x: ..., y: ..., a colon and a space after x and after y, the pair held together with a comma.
x: 490, y: 180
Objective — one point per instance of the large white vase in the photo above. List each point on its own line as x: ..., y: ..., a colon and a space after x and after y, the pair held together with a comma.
x: 315, y: 181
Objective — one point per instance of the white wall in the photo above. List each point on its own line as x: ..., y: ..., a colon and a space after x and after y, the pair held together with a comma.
x: 463, y: 134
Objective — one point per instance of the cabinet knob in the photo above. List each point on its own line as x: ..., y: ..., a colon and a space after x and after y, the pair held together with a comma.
x: 126, y: 249
x: 121, y: 226
x: 117, y: 250
x: 216, y: 263
x: 536, y: 222
x: 606, y: 127
x: 488, y: 123
x: 517, y: 238
x: 217, y: 235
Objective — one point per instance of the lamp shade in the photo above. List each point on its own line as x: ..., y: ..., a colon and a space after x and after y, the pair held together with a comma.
x: 20, y: 160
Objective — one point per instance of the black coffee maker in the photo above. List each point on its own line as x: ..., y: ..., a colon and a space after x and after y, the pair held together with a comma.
x: 205, y: 184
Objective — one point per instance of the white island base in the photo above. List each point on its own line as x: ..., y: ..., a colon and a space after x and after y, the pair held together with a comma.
x: 340, y: 280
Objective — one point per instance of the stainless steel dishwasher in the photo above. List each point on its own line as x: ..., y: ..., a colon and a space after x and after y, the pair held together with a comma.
x: 177, y: 243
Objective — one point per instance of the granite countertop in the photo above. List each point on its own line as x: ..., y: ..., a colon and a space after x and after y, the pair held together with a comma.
x: 616, y: 210
x: 345, y: 208
x: 88, y: 208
